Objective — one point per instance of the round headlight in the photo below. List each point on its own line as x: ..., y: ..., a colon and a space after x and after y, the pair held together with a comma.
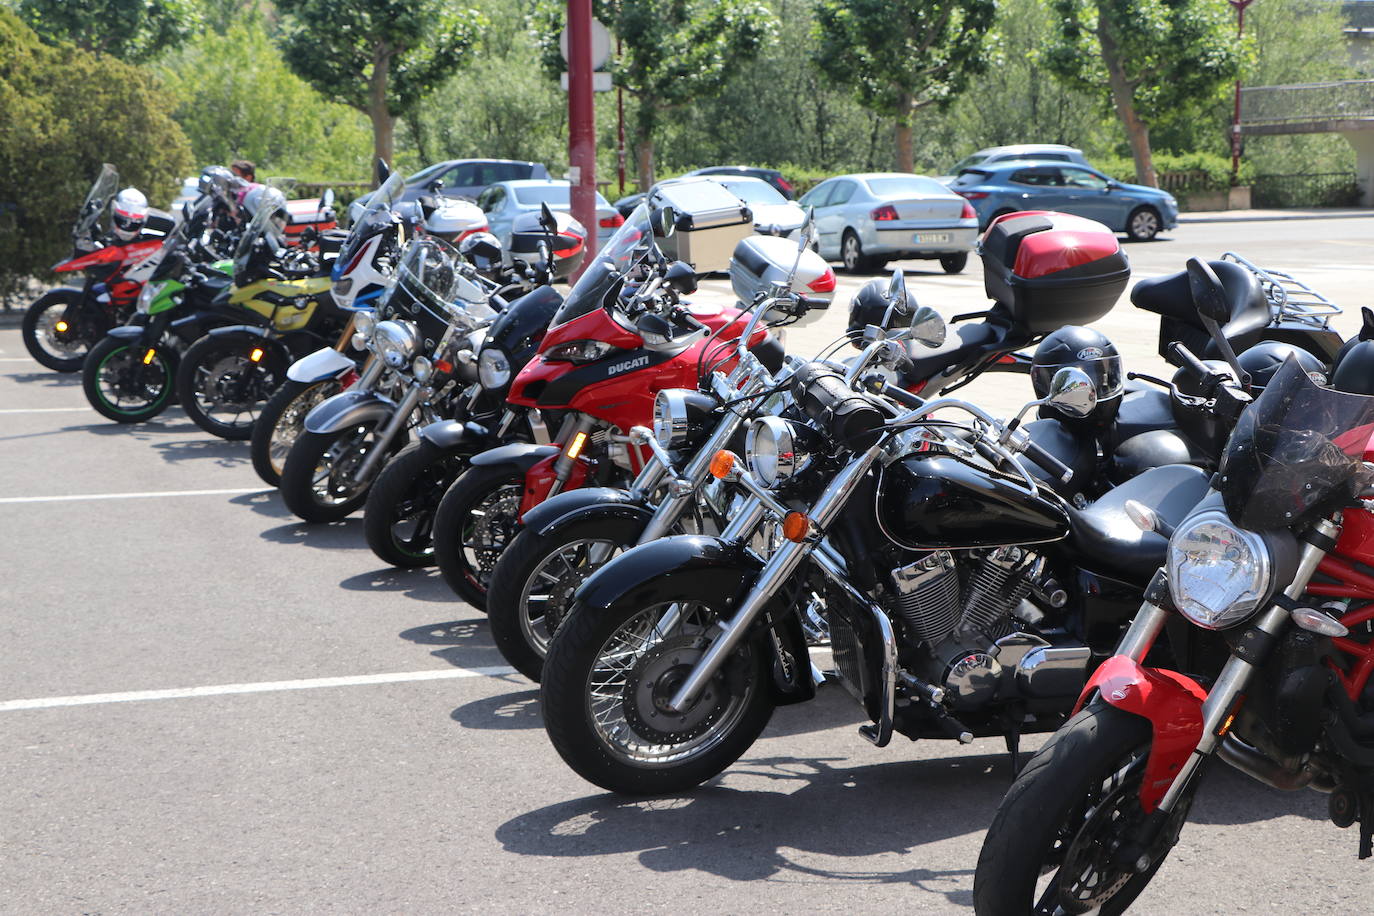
x: 493, y: 368
x: 364, y: 321
x: 422, y: 368
x: 670, y: 417
x: 397, y: 342
x: 1218, y: 573
x: 772, y: 452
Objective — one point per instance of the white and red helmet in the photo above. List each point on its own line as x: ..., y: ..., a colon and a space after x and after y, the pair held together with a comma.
x: 128, y: 213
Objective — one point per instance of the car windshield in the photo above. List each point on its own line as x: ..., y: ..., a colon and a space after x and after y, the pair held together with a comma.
x: 554, y: 195
x: 266, y: 221
x: 914, y: 186
x: 753, y: 192
x: 1296, y: 453
x: 99, y: 195
x: 609, y: 267
x: 969, y: 162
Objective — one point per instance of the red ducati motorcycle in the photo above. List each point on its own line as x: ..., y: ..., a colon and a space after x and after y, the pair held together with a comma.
x: 621, y: 336
x: 66, y: 321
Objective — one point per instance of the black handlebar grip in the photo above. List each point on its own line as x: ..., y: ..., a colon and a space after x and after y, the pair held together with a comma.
x: 1047, y: 461
x: 902, y: 396
x: 1186, y: 360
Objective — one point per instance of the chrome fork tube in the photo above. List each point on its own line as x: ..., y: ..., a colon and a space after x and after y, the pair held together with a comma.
x: 782, y: 564
x: 1145, y: 628
x: 371, y: 372
x: 398, y: 419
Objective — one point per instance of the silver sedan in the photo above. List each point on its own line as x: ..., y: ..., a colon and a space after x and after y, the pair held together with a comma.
x: 867, y: 220
x: 505, y: 200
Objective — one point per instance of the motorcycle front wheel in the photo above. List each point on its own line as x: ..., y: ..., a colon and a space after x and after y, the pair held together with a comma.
x: 281, y: 420
x: 609, y: 677
x: 398, y: 518
x: 1056, y: 843
x: 128, y: 382
x: 533, y: 584
x: 222, y: 387
x: 58, y: 331
x: 477, y: 517
x: 319, y: 480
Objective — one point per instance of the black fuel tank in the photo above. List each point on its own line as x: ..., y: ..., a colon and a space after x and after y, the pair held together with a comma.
x: 932, y: 502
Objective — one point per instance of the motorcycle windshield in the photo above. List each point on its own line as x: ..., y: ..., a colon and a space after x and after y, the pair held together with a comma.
x: 106, y: 183
x: 430, y: 277
x: 375, y: 219
x: 610, y: 266
x: 266, y: 222
x: 1297, y: 453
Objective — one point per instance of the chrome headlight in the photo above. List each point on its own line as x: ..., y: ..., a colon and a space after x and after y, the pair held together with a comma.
x: 678, y: 412
x: 772, y: 451
x: 1218, y: 573
x: 397, y: 342
x: 364, y: 321
x: 422, y: 368
x: 147, y: 295
x: 493, y: 368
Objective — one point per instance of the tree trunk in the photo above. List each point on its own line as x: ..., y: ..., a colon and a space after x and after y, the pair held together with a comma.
x: 383, y: 122
x: 1137, y: 131
x: 644, y: 155
x: 906, y: 160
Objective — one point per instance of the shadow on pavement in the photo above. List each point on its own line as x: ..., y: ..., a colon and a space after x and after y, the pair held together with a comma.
x: 347, y: 534
x: 47, y: 379
x: 464, y: 644
x: 267, y: 503
x: 420, y: 584
x: 508, y: 712
x: 221, y: 451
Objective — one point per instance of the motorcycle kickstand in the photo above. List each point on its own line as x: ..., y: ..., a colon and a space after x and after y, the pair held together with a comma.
x: 1013, y: 739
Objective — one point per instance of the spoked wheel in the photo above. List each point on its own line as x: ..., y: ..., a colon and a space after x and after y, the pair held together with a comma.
x: 319, y: 481
x: 532, y: 587
x: 281, y: 420
x: 128, y: 382
x: 58, y: 332
x: 398, y: 520
x: 610, y: 676
x: 1064, y: 838
x: 224, y: 382
x: 477, y: 517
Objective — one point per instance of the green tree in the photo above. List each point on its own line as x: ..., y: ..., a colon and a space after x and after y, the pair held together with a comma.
x: 902, y: 56
x: 378, y: 56
x: 1153, y: 58
x: 127, y: 29
x: 673, y: 53
x: 64, y: 111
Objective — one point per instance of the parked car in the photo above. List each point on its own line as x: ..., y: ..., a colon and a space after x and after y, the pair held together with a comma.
x: 772, y: 176
x: 867, y: 220
x: 1138, y: 211
x: 773, y: 213
x: 459, y: 178
x: 1048, y: 152
x: 505, y: 200
x: 626, y: 205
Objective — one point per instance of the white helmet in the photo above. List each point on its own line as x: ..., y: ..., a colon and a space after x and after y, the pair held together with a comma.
x: 128, y: 213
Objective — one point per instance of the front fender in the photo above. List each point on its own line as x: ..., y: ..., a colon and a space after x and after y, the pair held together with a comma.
x: 573, y: 506
x: 249, y: 329
x: 706, y: 567
x: 324, y: 363
x: 524, y: 455
x: 452, y: 435
x: 1170, y: 702
x: 347, y: 408
x: 129, y: 332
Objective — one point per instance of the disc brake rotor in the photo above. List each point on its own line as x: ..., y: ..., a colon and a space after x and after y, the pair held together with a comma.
x: 229, y: 383
x: 651, y: 685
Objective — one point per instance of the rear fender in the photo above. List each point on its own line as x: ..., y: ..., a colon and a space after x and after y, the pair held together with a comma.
x: 455, y: 435
x: 572, y: 506
x: 1170, y: 702
x: 348, y: 408
x: 523, y: 455
x: 324, y: 363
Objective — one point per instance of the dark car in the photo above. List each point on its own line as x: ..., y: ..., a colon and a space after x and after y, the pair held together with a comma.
x: 467, y: 177
x: 772, y: 176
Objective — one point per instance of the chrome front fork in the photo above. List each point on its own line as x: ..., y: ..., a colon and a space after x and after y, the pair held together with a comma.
x: 398, y: 420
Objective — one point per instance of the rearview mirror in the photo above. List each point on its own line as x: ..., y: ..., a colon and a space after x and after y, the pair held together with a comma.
x: 681, y: 277
x: 1072, y: 392
x: 383, y: 172
x: 436, y: 185
x: 546, y: 219
x: 896, y: 291
x: 666, y: 224
x: 1209, y: 296
x: 927, y: 327
x: 327, y: 199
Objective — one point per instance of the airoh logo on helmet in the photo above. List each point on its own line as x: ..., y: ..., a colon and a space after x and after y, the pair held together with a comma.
x: 1091, y: 353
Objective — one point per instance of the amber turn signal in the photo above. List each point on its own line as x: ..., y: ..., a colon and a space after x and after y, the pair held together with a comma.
x: 255, y: 354
x: 61, y: 327
x: 148, y: 357
x: 796, y: 527
x: 579, y: 440
x: 722, y: 464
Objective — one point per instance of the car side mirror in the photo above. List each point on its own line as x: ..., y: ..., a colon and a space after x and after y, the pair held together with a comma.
x: 1113, y: 186
x: 927, y: 327
x: 1209, y: 296
x: 681, y: 277
x: 1072, y: 392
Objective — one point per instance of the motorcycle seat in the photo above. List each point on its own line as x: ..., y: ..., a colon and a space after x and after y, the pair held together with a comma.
x: 1110, y: 543
x: 965, y: 344
x: 1143, y: 410
x: 1246, y: 303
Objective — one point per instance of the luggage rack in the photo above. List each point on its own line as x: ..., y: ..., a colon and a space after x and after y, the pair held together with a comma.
x: 1288, y: 296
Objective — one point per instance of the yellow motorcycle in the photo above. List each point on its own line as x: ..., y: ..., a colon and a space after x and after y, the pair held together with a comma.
x: 226, y: 377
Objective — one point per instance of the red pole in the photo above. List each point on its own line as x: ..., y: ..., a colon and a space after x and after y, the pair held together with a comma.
x: 582, y: 120
x: 620, y: 130
x: 1240, y: 6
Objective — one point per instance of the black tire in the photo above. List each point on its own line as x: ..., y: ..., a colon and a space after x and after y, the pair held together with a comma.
x: 316, y: 481
x: 477, y: 518
x: 281, y: 420
x: 1143, y: 224
x: 733, y: 709
x: 222, y: 389
x: 121, y: 386
x: 61, y: 351
x: 398, y: 518
x: 1088, y: 773
x: 954, y: 263
x: 852, y: 254
x: 522, y: 623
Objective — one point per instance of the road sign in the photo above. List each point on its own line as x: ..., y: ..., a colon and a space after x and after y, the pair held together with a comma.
x: 601, y: 47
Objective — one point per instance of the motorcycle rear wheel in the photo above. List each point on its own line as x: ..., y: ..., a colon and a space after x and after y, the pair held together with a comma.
x: 1062, y: 811
x: 606, y: 680
x: 61, y: 351
x: 222, y: 389
x: 399, y: 515
x: 123, y: 384
x: 281, y: 420
x: 477, y: 518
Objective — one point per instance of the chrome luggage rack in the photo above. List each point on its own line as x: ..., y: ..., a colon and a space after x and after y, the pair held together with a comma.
x: 1289, y: 297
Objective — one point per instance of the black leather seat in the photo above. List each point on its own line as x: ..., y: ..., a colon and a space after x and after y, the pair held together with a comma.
x: 1171, y: 297
x: 1110, y: 543
x: 966, y: 343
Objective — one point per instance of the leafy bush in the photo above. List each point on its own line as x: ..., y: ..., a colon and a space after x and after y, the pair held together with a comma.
x: 63, y: 112
x: 1180, y: 173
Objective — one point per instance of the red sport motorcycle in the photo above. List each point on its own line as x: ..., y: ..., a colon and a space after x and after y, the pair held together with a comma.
x: 621, y: 336
x: 1267, y: 603
x: 66, y: 321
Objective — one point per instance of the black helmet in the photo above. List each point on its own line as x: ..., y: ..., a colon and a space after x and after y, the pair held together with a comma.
x: 1085, y: 349
x: 482, y: 250
x: 869, y: 305
x: 1354, y: 371
x: 1263, y: 359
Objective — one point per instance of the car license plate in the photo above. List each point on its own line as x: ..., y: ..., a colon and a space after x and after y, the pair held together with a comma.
x: 933, y: 238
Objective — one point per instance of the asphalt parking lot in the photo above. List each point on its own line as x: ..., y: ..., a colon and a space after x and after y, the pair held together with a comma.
x: 208, y: 707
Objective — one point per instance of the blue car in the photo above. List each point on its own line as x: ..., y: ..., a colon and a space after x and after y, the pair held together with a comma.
x: 1005, y: 187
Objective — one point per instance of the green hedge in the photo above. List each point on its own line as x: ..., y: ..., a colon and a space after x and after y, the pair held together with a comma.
x: 1180, y: 173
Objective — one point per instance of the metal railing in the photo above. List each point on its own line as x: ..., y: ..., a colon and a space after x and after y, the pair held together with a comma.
x: 1338, y: 100
x: 1324, y: 189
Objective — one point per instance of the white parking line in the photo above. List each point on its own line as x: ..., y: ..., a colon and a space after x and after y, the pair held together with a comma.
x: 77, y: 497
x: 259, y: 687
x: 17, y: 359
x: 45, y: 410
